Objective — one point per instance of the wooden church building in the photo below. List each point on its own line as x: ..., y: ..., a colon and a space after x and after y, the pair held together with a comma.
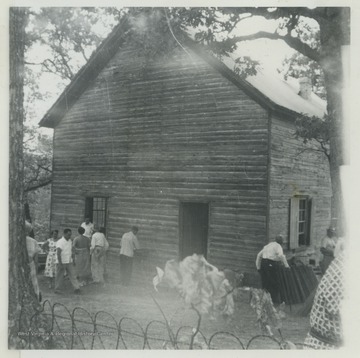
x: 200, y: 159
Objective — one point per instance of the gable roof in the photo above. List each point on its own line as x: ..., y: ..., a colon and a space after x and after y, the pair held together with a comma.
x: 286, y: 94
x: 268, y: 90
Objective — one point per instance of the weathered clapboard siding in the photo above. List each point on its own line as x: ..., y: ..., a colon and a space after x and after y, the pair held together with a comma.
x: 178, y: 131
x: 296, y: 172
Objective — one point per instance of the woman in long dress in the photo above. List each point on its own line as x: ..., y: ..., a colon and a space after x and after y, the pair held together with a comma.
x: 99, y: 245
x: 81, y: 247
x: 50, y: 267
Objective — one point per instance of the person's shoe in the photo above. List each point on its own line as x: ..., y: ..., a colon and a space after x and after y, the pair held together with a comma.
x: 77, y: 291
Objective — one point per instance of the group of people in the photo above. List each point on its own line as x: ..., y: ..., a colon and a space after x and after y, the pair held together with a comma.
x: 325, y: 319
x: 82, y: 259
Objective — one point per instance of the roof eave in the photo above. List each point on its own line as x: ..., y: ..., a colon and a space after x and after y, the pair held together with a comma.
x: 241, y: 83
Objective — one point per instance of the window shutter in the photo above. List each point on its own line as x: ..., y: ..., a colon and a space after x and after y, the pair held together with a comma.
x: 294, y: 227
x: 311, y: 220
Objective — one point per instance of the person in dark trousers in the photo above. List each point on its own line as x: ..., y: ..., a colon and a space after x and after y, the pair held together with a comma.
x: 129, y: 243
x: 65, y: 262
x: 267, y: 263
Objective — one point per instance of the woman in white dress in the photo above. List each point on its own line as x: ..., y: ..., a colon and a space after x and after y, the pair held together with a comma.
x: 50, y: 248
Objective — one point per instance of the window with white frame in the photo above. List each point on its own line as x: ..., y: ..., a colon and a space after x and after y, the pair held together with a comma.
x: 300, y: 221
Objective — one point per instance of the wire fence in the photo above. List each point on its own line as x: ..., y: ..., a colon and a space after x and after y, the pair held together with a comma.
x: 79, y: 329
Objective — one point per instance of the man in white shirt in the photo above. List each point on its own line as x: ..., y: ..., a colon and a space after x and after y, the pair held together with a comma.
x: 129, y: 243
x: 89, y: 227
x: 64, y: 262
x: 267, y: 263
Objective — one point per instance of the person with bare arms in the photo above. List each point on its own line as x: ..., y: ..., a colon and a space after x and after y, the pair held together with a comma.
x: 81, y: 247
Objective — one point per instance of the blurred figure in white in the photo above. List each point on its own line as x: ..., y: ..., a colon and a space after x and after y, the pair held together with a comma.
x: 33, y: 249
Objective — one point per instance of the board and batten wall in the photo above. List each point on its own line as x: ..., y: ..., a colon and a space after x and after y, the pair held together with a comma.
x: 149, y: 138
x: 295, y: 170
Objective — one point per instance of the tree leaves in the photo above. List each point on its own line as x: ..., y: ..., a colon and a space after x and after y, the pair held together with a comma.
x: 315, y: 130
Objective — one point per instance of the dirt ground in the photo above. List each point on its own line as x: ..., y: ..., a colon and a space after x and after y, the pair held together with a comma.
x: 140, y: 304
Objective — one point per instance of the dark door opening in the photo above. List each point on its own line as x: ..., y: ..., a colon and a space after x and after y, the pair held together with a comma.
x: 194, y: 223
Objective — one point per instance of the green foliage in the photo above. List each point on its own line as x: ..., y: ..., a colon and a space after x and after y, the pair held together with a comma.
x: 39, y: 203
x: 301, y: 66
x: 66, y: 37
x: 316, y: 130
x: 37, y: 169
x: 37, y: 177
x: 313, y: 128
x: 245, y: 66
x: 155, y: 32
x: 150, y: 35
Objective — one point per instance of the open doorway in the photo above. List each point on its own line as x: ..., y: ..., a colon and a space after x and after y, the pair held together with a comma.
x: 194, y: 225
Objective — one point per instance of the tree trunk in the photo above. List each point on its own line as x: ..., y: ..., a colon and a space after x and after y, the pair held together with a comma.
x: 331, y: 41
x: 23, y: 302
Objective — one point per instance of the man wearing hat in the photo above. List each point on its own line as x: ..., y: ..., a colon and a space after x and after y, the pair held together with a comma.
x: 267, y: 262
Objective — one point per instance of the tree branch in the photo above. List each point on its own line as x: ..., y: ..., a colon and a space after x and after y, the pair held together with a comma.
x: 309, y: 150
x: 323, y: 151
x: 31, y: 138
x: 83, y: 53
x: 324, y: 148
x: 280, y: 12
x: 57, y: 71
x: 293, y: 42
x: 45, y: 168
x: 33, y: 63
x: 39, y: 185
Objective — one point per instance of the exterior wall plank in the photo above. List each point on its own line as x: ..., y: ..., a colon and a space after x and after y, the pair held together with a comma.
x: 177, y: 131
x: 297, y: 172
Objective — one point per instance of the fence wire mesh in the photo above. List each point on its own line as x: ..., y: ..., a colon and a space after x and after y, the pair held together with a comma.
x: 80, y: 329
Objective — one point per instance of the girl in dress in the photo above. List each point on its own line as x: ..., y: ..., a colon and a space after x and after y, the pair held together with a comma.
x: 50, y: 248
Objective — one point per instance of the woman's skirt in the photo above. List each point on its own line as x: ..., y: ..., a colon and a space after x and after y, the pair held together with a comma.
x: 50, y: 266
x: 98, y: 264
x: 82, y: 264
